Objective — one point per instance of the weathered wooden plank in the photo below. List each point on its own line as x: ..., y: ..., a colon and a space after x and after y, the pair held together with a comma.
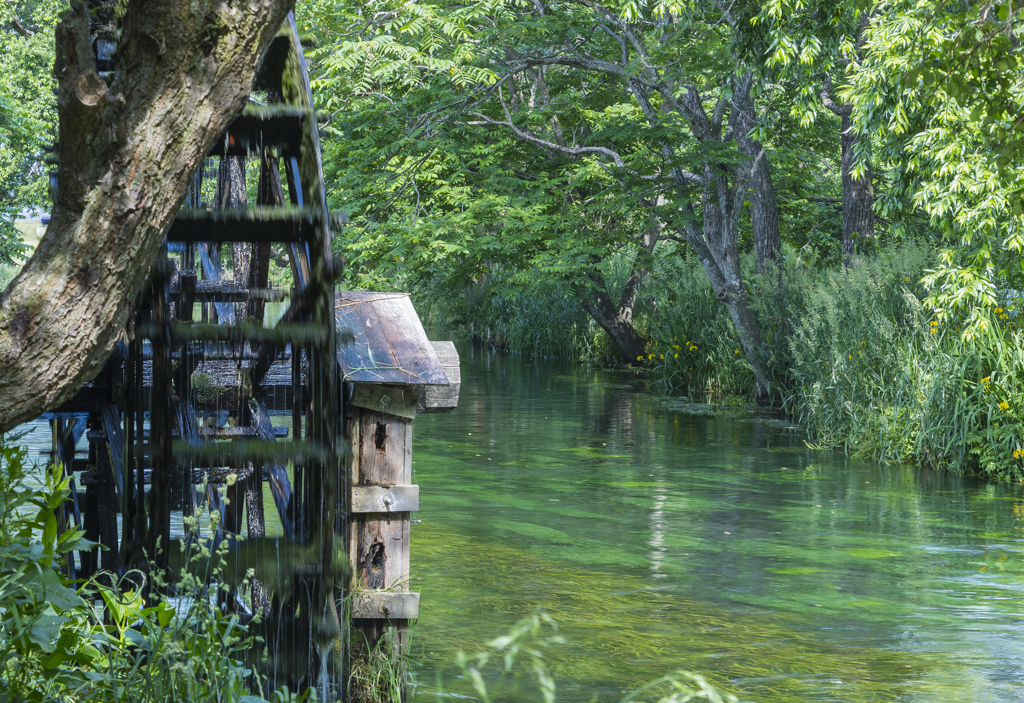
x: 227, y: 291
x: 251, y: 224
x: 208, y: 432
x: 240, y: 452
x: 381, y: 542
x: 384, y: 604
x: 389, y: 344
x: 393, y: 400
x: 385, y: 499
x: 259, y: 126
x: 382, y: 440
x: 293, y: 332
x: 443, y: 399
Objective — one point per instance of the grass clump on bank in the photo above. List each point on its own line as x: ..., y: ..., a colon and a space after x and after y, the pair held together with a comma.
x: 860, y: 360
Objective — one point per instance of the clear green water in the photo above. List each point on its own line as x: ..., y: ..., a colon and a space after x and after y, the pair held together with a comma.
x: 661, y: 540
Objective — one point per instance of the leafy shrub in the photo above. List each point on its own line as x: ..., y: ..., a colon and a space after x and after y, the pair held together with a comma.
x: 532, y: 318
x: 56, y: 646
x: 857, y: 358
x: 694, y: 347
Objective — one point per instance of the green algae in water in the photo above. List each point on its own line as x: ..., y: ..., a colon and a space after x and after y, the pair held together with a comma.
x: 870, y: 553
x: 660, y: 540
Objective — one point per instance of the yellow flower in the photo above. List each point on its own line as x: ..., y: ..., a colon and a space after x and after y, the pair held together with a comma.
x: 640, y: 358
x: 906, y: 280
x: 662, y: 356
x: 693, y: 348
x: 933, y: 323
x: 1004, y: 405
x: 676, y: 356
x: 849, y: 356
x: 862, y: 344
x: 650, y: 356
x: 737, y: 351
x: 999, y: 311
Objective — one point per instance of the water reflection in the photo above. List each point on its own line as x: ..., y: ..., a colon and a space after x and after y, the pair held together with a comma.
x: 661, y: 539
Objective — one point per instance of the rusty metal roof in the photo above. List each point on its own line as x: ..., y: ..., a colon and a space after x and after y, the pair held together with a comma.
x: 389, y: 344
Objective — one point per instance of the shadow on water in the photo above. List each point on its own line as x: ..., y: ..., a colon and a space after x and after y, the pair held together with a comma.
x: 661, y: 539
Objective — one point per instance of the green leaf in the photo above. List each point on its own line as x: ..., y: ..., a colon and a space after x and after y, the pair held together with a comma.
x: 45, y: 629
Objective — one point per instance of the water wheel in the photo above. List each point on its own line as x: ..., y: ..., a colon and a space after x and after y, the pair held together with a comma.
x: 185, y: 410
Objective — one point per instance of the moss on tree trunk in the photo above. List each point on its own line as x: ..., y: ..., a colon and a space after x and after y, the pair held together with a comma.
x: 126, y: 156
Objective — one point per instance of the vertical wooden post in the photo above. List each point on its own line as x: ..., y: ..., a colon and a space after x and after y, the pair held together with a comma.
x: 158, y: 537
x: 380, y: 474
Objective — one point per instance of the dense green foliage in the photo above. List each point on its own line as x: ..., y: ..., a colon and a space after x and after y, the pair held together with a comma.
x: 509, y: 162
x: 494, y: 165
x: 27, y: 113
x: 61, y: 641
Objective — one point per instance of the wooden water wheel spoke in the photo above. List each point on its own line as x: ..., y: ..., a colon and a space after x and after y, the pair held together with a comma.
x: 252, y: 224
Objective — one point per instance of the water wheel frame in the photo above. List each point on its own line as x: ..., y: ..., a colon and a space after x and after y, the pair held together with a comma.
x: 146, y: 453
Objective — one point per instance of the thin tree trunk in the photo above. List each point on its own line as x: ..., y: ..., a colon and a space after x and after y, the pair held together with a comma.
x: 858, y: 191
x: 764, y: 209
x: 858, y: 195
x: 126, y: 158
x: 617, y: 320
x: 231, y: 194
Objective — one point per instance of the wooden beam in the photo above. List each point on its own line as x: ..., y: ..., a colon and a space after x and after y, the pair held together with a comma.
x: 385, y: 499
x: 443, y: 399
x: 385, y: 605
x: 392, y: 400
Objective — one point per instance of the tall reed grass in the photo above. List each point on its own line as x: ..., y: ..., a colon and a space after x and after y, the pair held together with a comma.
x: 858, y: 359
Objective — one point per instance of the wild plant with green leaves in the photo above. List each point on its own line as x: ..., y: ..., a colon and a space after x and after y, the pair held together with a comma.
x: 519, y: 312
x: 514, y: 664
x: 877, y: 372
x: 861, y: 360
x: 99, y: 643
x: 694, y: 348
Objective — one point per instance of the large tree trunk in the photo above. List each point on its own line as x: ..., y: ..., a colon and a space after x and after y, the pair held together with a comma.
x: 126, y: 157
x: 617, y: 320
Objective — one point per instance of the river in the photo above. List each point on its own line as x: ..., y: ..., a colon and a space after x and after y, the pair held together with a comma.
x: 661, y: 537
